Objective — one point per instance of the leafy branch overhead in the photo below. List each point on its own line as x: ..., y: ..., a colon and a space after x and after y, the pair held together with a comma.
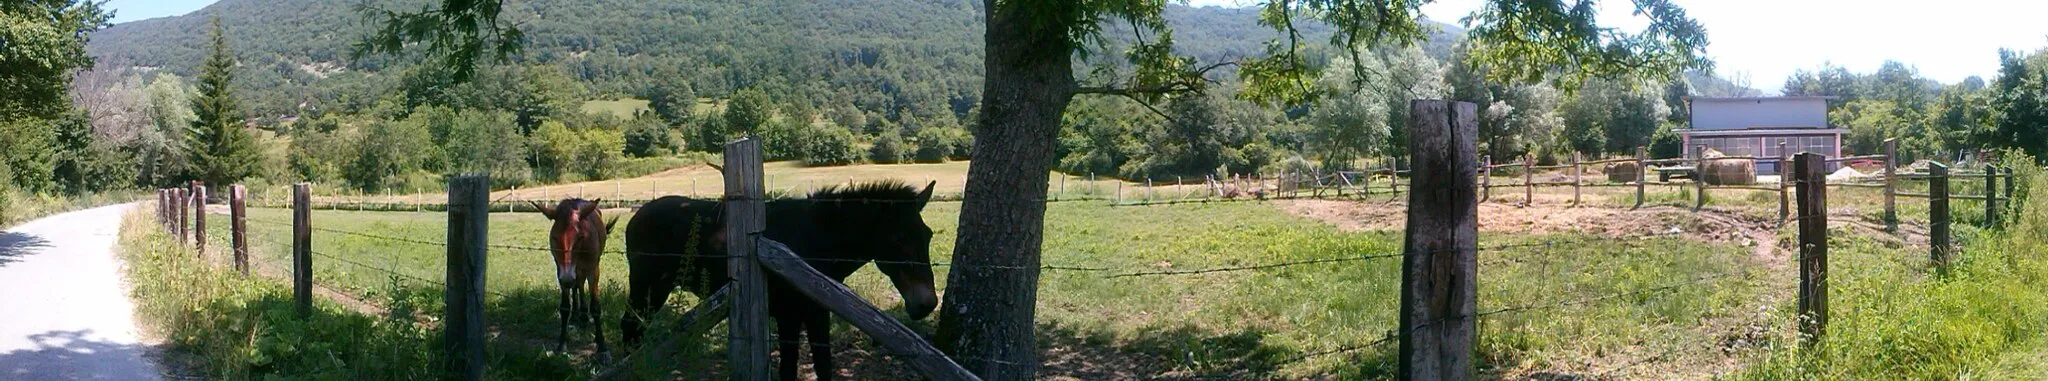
x: 457, y: 33
x: 1516, y: 41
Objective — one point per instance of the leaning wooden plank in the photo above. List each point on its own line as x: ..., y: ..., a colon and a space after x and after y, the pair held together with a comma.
x: 707, y: 314
x: 1912, y: 194
x: 835, y: 296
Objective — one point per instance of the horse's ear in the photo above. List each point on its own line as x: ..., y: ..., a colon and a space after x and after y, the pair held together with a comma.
x: 589, y: 207
x: 925, y: 197
x: 721, y: 170
x: 544, y: 209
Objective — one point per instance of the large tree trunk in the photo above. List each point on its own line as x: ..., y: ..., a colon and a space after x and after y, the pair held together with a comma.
x: 992, y: 292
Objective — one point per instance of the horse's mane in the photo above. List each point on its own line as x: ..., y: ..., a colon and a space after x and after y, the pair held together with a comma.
x: 885, y: 190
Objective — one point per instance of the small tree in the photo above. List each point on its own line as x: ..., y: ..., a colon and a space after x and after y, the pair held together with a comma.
x: 888, y: 149
x: 830, y: 146
x: 222, y: 150
x: 933, y: 145
x: 647, y: 137
x: 599, y: 153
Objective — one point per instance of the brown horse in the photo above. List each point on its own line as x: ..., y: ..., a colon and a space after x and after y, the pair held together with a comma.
x: 576, y: 242
x: 680, y: 242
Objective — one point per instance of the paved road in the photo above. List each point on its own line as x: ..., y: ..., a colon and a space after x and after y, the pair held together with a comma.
x: 64, y: 311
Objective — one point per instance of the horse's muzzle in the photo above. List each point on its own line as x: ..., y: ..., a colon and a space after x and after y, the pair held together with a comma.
x: 565, y: 274
x: 919, y: 302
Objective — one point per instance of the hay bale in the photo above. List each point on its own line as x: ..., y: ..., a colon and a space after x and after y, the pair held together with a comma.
x: 1622, y: 172
x: 1716, y: 171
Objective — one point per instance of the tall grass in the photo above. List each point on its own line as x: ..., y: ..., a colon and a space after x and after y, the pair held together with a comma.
x: 17, y: 206
x: 1893, y: 317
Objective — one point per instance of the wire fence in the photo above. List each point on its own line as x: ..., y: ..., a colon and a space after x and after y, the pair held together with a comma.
x: 1273, y: 260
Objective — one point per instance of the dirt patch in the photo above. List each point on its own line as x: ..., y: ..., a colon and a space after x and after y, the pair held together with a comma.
x: 1710, y: 224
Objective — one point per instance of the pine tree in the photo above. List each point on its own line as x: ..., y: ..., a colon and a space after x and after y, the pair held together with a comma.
x: 222, y: 150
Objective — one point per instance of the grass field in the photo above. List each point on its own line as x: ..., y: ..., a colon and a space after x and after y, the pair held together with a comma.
x: 1570, y: 305
x: 787, y: 177
x: 622, y: 108
x: 1236, y: 324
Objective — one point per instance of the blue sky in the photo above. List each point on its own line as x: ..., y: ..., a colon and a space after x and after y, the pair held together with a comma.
x: 1763, y: 40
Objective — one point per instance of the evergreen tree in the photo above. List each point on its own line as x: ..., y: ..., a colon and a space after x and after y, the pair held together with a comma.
x: 222, y: 150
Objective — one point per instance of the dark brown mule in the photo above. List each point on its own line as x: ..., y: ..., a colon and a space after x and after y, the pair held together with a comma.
x: 577, y: 243
x: 680, y: 242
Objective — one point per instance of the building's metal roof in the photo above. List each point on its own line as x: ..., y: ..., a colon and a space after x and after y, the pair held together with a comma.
x: 1741, y: 99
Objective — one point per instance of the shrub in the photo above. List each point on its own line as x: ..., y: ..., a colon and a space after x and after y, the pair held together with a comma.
x: 830, y: 146
x: 888, y: 149
x: 647, y: 137
x: 598, y: 152
x: 933, y: 145
x: 553, y: 150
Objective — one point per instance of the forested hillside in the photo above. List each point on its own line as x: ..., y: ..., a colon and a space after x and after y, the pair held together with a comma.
x: 843, y: 81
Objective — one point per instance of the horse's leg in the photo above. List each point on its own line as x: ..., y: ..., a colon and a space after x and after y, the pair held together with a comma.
x: 818, y: 330
x: 647, y: 289
x: 604, y: 353
x: 789, y: 329
x: 562, y: 336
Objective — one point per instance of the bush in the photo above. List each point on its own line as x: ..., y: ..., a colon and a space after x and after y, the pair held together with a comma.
x: 647, y: 137
x: 598, y: 152
x: 888, y: 149
x: 553, y: 150
x: 932, y: 146
x: 830, y: 146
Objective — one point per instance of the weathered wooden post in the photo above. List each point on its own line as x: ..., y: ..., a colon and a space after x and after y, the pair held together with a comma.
x: 1063, y: 188
x: 1575, y: 178
x: 179, y: 204
x: 1439, y: 264
x: 238, y: 226
x: 1642, y: 173
x: 2011, y: 185
x: 1485, y: 177
x: 1990, y: 196
x: 1699, y: 179
x: 745, y: 217
x: 199, y: 218
x: 302, y: 248
x: 462, y: 330
x: 1811, y: 169
x: 1938, y: 217
x: 1528, y: 179
x: 1784, y: 181
x: 1394, y: 176
x: 1891, y: 184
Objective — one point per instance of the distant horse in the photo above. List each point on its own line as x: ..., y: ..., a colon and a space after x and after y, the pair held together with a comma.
x: 576, y: 242
x: 675, y: 241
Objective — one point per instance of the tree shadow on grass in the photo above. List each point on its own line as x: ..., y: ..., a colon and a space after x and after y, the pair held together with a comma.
x: 15, y: 246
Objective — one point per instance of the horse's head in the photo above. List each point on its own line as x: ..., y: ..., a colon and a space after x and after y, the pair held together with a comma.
x: 579, y: 226
x: 903, y: 252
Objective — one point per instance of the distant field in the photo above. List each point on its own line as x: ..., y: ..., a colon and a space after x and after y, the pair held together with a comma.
x: 623, y: 108
x: 790, y: 178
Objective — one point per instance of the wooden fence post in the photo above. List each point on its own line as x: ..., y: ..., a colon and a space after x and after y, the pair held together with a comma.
x: 1394, y: 176
x: 1642, y: 173
x: 1938, y: 216
x: 1990, y: 196
x: 302, y: 248
x: 1529, y: 179
x: 178, y: 207
x: 2011, y: 185
x: 1699, y: 179
x: 1440, y: 267
x: 1485, y: 177
x: 199, y: 218
x: 238, y: 226
x: 1576, y: 176
x: 462, y: 333
x: 1784, y: 169
x: 746, y: 217
x: 1891, y: 187
x: 1811, y: 169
